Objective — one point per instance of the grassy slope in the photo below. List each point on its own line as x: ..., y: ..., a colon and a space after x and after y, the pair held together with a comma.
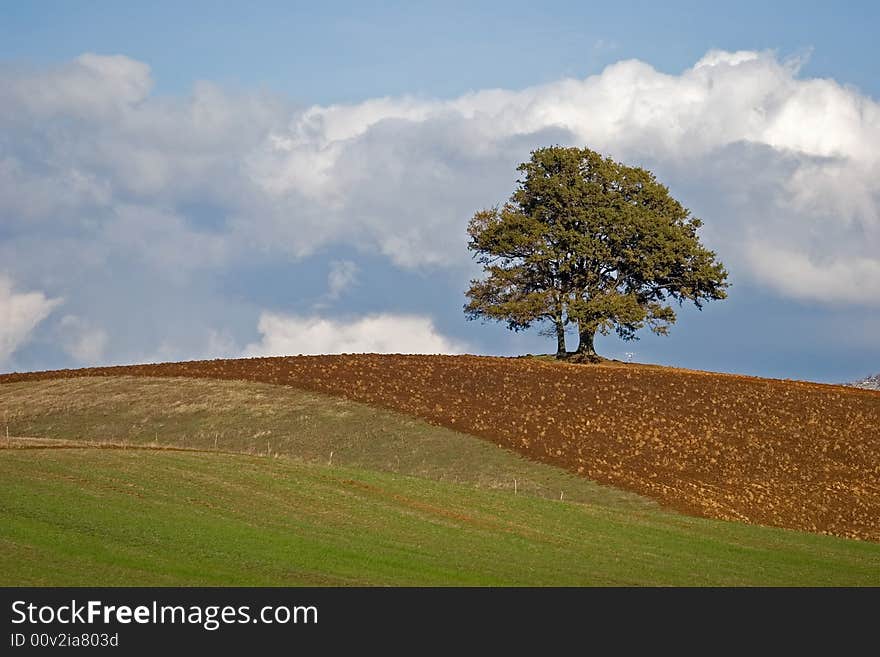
x: 255, y: 418
x: 88, y: 516
x: 92, y: 516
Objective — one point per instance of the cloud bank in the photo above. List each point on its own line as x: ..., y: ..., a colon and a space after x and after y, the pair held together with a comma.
x: 103, y: 184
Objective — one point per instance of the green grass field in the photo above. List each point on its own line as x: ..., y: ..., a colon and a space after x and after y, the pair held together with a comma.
x: 114, y: 517
x: 403, y: 503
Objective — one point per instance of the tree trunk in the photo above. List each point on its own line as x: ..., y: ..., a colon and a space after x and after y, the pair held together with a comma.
x: 586, y: 351
x: 560, y: 340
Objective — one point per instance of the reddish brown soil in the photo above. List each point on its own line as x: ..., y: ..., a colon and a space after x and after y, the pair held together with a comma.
x: 790, y: 454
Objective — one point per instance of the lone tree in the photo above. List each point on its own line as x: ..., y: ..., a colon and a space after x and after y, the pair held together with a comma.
x: 588, y: 241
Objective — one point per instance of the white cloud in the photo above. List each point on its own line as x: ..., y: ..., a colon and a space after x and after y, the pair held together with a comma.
x: 91, y: 86
x: 343, y: 275
x: 402, y: 175
x: 84, y: 342
x: 384, y: 333
x: 19, y: 315
x: 839, y: 282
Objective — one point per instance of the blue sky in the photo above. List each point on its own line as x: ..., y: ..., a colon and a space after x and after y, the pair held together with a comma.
x: 202, y: 179
x: 341, y: 52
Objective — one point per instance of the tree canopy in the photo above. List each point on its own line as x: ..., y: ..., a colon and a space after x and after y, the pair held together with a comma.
x: 587, y: 241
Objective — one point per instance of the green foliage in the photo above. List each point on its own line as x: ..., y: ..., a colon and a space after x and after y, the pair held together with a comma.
x: 588, y: 241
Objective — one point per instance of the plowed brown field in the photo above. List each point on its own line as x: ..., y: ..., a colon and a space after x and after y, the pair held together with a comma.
x: 790, y: 454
